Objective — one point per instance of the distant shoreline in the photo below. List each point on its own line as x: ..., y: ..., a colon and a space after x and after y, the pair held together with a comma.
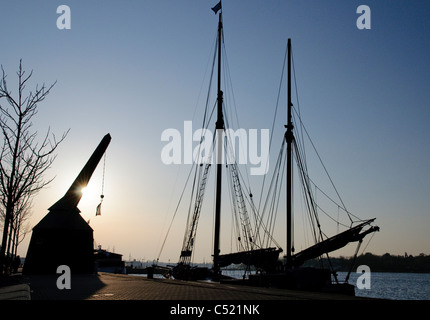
x: 384, y: 263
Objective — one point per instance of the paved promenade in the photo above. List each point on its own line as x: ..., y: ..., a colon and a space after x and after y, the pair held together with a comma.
x: 105, y: 286
x: 127, y: 295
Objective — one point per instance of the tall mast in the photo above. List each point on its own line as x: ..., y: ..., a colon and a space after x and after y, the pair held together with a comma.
x: 219, y: 131
x: 289, y: 138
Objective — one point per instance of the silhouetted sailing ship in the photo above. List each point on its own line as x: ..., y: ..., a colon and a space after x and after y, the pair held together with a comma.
x: 255, y: 243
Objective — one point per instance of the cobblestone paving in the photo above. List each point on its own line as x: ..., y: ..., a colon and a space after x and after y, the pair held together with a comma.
x: 105, y: 286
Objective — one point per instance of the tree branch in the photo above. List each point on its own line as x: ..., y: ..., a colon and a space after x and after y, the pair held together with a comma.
x: 24, y: 160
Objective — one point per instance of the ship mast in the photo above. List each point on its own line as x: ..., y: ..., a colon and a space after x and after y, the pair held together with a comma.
x: 289, y: 138
x: 219, y: 132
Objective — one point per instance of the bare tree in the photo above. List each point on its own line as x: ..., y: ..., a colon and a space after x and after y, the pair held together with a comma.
x: 23, y: 159
x: 19, y: 226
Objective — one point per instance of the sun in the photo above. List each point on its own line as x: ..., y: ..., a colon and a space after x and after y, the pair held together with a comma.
x: 90, y: 195
x: 90, y: 192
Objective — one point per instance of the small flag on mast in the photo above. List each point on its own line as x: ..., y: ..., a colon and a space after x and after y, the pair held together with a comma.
x: 99, y: 210
x: 217, y: 7
x: 99, y: 207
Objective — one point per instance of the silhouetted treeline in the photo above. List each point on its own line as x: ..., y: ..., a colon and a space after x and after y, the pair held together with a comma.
x: 384, y: 263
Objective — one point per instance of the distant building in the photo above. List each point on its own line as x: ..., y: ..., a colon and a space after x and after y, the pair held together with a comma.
x: 106, y: 261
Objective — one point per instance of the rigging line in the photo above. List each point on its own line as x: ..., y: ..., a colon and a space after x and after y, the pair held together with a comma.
x: 210, y: 78
x: 168, y: 207
x: 275, y: 209
x: 298, y: 103
x: 233, y: 159
x: 98, y: 208
x: 338, y: 213
x: 308, y: 191
x: 205, y: 125
x: 209, y: 86
x: 191, y: 229
x: 235, y: 223
x: 247, y: 197
x: 273, y: 122
x: 176, y: 211
x: 213, y: 222
x: 292, y: 206
x: 329, y: 216
x: 203, y: 132
x: 229, y: 149
x: 103, y: 177
x: 230, y: 82
x: 277, y: 186
x: 305, y: 222
x: 282, y: 165
x: 334, y: 202
x: 324, y: 167
x: 239, y: 224
x: 270, y: 193
x: 238, y: 198
x: 364, y: 249
x: 193, y: 191
x: 210, y: 116
x: 256, y: 219
x: 307, y: 180
x: 313, y: 218
x: 197, y: 196
x: 267, y: 226
x: 273, y: 197
x: 300, y: 144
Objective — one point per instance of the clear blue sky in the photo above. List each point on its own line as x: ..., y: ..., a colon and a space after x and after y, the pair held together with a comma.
x: 135, y: 68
